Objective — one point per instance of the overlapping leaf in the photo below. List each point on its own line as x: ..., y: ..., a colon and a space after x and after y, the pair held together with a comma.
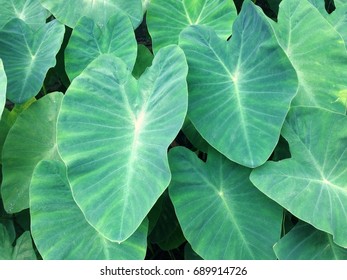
x: 3, y: 85
x: 317, y: 54
x: 222, y: 215
x: 23, y: 250
x: 25, y: 146
x: 89, y: 40
x: 27, y: 55
x: 59, y: 228
x: 143, y: 60
x: 30, y: 11
x: 304, y: 242
x: 239, y: 90
x: 70, y: 11
x: 113, y: 133
x: 167, y: 18
x: 312, y: 184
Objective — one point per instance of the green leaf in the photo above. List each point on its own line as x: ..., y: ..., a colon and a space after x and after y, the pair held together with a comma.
x: 113, y: 134
x: 222, y: 215
x: 189, y: 254
x: 70, y: 11
x: 24, y: 249
x: 338, y: 19
x: 194, y: 137
x: 239, y: 90
x: 317, y: 54
x: 304, y: 242
x: 274, y: 5
x: 167, y: 233
x: 5, y: 244
x: 143, y: 61
x: 27, y: 55
x: 30, y: 11
x: 59, y: 228
x: 167, y: 18
x: 3, y: 85
x: 88, y: 41
x: 25, y: 146
x: 8, y: 118
x: 312, y: 184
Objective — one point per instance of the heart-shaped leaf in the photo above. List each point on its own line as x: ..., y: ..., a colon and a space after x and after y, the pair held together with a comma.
x: 239, y: 90
x: 312, y: 184
x: 3, y: 85
x: 27, y: 55
x: 167, y: 18
x: 30, y: 11
x: 70, y: 11
x: 317, y: 54
x: 88, y: 41
x: 222, y: 215
x: 304, y: 242
x: 113, y: 134
x: 59, y: 228
x: 25, y: 146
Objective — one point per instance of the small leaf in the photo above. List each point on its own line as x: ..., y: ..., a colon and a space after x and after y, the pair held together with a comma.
x: 5, y: 244
x: 24, y: 249
x: 167, y: 233
x: 304, y: 242
x: 30, y: 11
x: 222, y: 215
x: 318, y: 54
x: 312, y: 184
x: 27, y: 55
x: 59, y: 228
x: 167, y: 18
x: 70, y: 11
x: 25, y: 146
x: 88, y: 41
x: 143, y: 61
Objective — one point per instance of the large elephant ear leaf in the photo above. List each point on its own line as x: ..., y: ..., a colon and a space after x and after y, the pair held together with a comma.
x: 30, y: 11
x: 88, y: 41
x: 167, y: 18
x: 59, y: 228
x: 304, y: 242
x: 70, y: 11
x: 312, y: 184
x: 25, y: 146
x: 113, y: 134
x: 27, y: 55
x: 317, y: 54
x: 223, y: 216
x: 240, y: 92
x: 3, y: 85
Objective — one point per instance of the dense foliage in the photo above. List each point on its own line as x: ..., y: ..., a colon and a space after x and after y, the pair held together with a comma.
x: 179, y: 129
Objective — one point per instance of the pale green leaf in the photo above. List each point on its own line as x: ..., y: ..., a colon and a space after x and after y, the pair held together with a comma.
x: 167, y: 18
x: 222, y: 215
x: 239, y: 90
x: 25, y: 146
x: 113, y: 134
x: 70, y: 11
x: 59, y: 228
x: 27, y: 55
x: 312, y: 184
x: 89, y: 40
